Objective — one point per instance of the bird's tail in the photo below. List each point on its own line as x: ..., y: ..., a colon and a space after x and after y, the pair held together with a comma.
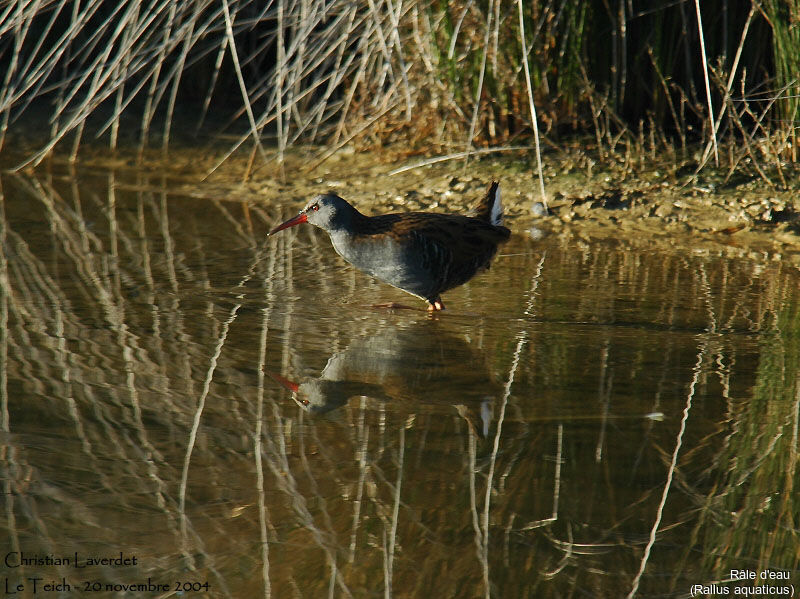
x: 490, y: 208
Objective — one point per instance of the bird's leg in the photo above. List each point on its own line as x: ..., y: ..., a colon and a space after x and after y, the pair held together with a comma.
x: 435, y: 305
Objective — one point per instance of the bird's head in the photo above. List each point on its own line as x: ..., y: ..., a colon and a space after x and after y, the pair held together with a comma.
x: 327, y: 211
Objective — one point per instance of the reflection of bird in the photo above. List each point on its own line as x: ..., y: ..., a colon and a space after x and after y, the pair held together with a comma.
x: 422, y: 253
x: 419, y: 363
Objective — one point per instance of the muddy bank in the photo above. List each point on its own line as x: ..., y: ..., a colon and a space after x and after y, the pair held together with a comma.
x: 585, y: 201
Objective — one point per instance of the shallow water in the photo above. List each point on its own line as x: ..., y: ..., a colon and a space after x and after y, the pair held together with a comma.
x: 586, y: 419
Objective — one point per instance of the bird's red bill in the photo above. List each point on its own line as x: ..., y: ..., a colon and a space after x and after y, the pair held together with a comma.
x: 296, y: 220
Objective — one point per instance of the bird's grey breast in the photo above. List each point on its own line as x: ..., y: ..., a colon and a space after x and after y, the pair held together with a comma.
x: 387, y: 259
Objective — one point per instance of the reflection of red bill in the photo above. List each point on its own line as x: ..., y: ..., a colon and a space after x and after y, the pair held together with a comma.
x: 284, y: 381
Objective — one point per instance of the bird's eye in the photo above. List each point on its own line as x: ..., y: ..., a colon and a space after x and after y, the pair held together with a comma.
x: 315, y: 207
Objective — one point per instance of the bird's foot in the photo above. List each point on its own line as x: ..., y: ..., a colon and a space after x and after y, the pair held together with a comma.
x: 436, y: 305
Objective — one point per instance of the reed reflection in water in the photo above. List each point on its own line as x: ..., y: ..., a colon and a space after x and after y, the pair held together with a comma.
x: 589, y: 419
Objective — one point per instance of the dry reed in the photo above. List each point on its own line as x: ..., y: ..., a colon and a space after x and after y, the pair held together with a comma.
x: 430, y: 75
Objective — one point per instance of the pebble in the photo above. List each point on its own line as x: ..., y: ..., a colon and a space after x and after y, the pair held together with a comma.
x: 539, y: 209
x: 535, y: 233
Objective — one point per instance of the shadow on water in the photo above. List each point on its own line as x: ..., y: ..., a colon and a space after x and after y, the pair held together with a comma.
x: 586, y: 419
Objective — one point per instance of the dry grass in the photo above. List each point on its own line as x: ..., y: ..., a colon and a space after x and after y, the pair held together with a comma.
x: 440, y: 77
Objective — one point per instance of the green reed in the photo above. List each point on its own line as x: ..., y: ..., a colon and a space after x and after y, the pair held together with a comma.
x: 784, y: 20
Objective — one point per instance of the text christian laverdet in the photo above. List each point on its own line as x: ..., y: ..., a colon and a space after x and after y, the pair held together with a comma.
x: 75, y: 575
